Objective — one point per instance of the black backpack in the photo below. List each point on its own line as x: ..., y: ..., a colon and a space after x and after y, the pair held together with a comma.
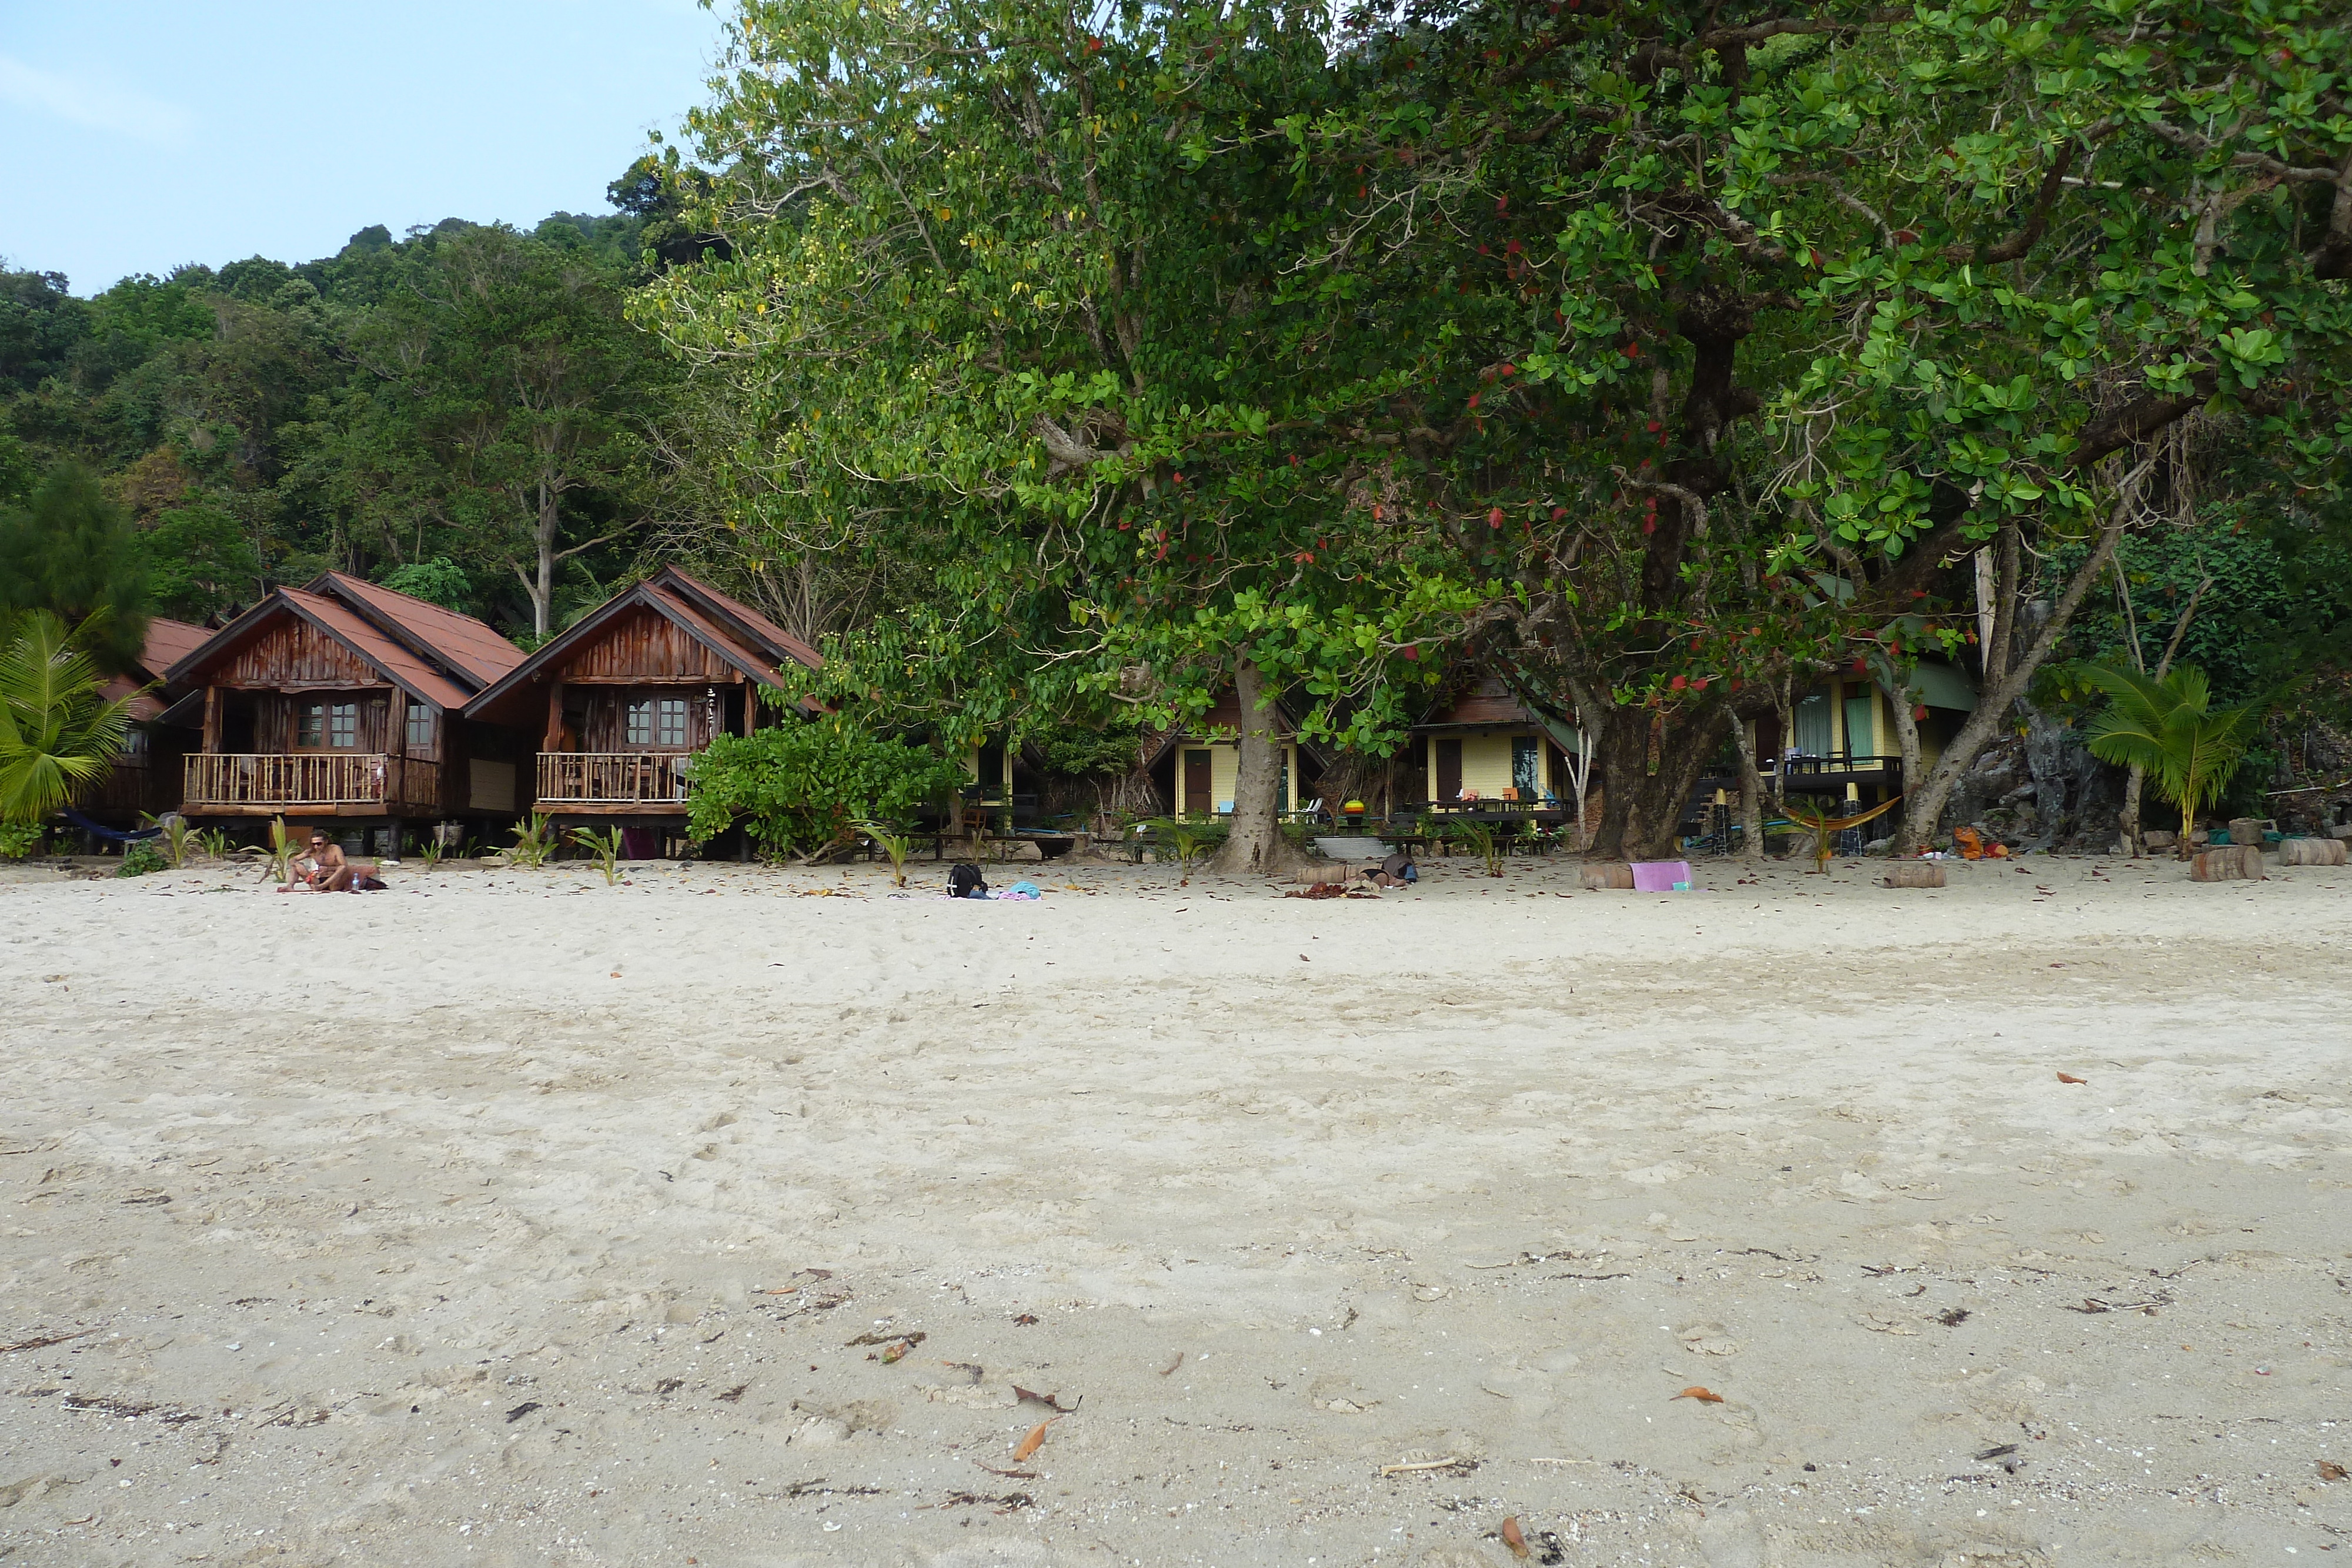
x: 965, y: 882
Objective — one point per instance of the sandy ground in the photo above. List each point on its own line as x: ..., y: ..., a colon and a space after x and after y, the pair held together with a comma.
x: 511, y: 1219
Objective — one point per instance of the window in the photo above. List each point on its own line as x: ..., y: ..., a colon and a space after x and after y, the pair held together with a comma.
x: 310, y: 726
x: 420, y: 727
x: 1523, y: 765
x: 656, y: 721
x: 343, y: 726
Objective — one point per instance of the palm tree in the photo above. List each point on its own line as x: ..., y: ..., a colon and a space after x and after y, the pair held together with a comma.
x: 59, y: 735
x: 2170, y: 730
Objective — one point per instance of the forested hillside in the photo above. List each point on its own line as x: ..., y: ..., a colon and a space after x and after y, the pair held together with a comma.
x: 462, y: 412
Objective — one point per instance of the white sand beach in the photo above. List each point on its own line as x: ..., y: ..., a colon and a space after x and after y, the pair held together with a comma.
x: 509, y: 1219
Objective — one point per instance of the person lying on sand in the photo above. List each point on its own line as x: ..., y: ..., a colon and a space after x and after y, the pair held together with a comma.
x: 323, y: 869
x: 1397, y: 870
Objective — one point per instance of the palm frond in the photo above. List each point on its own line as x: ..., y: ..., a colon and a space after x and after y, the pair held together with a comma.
x: 57, y: 732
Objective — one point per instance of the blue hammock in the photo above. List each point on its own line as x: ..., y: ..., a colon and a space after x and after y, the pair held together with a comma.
x: 110, y: 835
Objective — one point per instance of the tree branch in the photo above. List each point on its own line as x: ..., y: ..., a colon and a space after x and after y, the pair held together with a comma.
x: 2026, y: 238
x: 2140, y: 418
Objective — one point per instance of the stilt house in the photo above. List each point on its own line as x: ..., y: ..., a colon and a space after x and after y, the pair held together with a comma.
x: 340, y: 699
x: 621, y: 701
x: 145, y: 780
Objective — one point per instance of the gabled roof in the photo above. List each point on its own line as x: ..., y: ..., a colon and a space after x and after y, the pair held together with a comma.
x: 429, y: 653
x: 168, y: 641
x: 1487, y: 701
x: 742, y: 637
x: 458, y: 642
x: 756, y: 626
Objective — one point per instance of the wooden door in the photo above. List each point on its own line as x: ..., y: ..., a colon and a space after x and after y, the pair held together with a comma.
x: 1198, y: 802
x: 1449, y: 771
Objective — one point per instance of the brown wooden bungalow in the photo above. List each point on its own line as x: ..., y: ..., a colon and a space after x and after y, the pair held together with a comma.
x: 627, y: 694
x: 342, y: 699
x: 145, y: 780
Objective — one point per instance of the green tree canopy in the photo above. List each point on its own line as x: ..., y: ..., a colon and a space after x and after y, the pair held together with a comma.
x: 70, y: 552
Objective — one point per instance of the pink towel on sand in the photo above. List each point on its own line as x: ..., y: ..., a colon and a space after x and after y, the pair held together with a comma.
x: 1659, y: 876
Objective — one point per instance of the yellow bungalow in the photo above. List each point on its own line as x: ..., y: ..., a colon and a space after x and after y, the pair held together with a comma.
x: 1486, y: 745
x: 1194, y: 769
x: 1844, y: 741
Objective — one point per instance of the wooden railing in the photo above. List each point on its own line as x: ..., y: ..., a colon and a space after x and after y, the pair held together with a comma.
x: 310, y: 778
x: 608, y: 778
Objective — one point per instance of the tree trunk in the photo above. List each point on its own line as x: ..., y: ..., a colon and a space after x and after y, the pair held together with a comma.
x: 1908, y: 839
x: 1926, y: 805
x: 2127, y: 819
x: 1254, y: 846
x: 1641, y: 807
x: 1751, y: 797
x: 543, y: 593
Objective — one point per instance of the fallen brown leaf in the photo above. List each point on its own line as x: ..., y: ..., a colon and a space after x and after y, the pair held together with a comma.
x: 892, y: 1353
x: 2331, y: 1471
x: 1173, y: 1365
x: 1704, y: 1396
x: 1513, y: 1538
x: 1009, y: 1475
x: 2070, y: 1078
x: 1033, y: 1442
x: 1050, y: 1401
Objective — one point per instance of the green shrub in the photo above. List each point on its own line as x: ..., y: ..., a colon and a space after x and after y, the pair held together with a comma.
x: 604, y: 847
x: 534, y: 843
x: 807, y: 787
x: 19, y: 841
x: 139, y: 858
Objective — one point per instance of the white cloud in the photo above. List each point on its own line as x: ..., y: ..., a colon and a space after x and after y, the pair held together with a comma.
x: 100, y: 106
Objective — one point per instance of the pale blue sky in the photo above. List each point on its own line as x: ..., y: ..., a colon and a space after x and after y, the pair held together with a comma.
x: 144, y: 134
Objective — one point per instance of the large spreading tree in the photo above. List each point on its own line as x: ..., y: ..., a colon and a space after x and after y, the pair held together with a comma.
x: 1666, y: 356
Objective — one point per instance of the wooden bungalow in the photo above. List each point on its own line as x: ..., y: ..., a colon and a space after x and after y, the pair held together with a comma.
x: 342, y: 699
x: 623, y: 698
x: 1194, y: 768
x: 145, y: 780
x: 1488, y: 744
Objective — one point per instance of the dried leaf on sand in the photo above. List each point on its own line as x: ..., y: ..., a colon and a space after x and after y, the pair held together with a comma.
x: 1034, y: 1441
x: 1704, y: 1396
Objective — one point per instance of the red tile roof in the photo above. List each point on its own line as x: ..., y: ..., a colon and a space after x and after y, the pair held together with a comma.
x: 467, y: 645
x: 782, y: 641
x: 729, y: 628
x: 169, y: 642
x: 397, y: 661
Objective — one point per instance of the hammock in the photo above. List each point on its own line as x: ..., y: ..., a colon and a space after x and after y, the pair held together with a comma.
x: 110, y: 835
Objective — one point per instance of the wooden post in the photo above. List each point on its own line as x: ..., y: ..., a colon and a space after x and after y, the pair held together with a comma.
x: 554, y: 717
x: 395, y: 751
x: 750, y: 705
x: 212, y: 721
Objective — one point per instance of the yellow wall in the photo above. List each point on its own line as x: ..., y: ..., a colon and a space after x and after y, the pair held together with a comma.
x: 971, y: 768
x: 1225, y: 766
x: 1486, y: 763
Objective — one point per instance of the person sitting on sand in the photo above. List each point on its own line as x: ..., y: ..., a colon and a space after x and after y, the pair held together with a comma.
x: 323, y: 869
